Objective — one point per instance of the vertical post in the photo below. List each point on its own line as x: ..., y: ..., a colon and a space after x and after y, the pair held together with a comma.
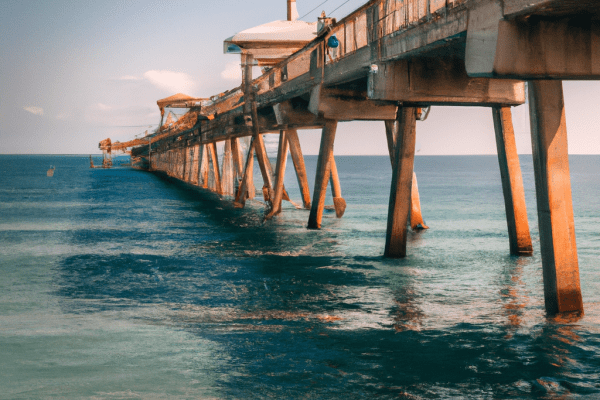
x: 195, y: 165
x: 336, y: 189
x: 227, y: 178
x: 149, y: 153
x: 247, y: 185
x: 238, y: 167
x: 169, y: 162
x: 186, y: 153
x: 404, y: 155
x: 298, y: 160
x: 282, y: 153
x: 203, y: 167
x: 415, y: 217
x: 247, y: 63
x: 215, y: 164
x: 562, y: 291
x: 391, y: 133
x: 512, y: 182
x: 265, y: 166
x: 322, y: 175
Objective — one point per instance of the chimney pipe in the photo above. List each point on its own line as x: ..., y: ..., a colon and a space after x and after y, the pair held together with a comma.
x: 292, y: 12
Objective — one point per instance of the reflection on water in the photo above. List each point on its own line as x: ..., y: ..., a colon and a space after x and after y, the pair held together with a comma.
x: 163, y: 291
x: 514, y: 296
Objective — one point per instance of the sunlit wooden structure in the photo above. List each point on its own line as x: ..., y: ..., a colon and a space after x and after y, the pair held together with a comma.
x: 385, y: 61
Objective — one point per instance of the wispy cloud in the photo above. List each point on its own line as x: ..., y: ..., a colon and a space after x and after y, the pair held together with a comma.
x: 232, y: 72
x: 102, y: 107
x: 63, y: 116
x: 171, y: 81
x: 34, y: 110
x: 130, y: 78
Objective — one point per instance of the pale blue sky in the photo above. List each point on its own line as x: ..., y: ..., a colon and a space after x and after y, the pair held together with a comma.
x: 75, y: 72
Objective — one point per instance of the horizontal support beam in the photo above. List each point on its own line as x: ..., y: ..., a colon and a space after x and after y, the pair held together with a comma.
x: 537, y: 49
x: 347, y: 105
x: 440, y: 81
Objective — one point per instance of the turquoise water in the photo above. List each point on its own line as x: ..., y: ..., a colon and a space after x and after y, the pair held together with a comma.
x: 125, y: 284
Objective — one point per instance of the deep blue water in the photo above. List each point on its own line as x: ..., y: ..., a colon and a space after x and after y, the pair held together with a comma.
x: 125, y: 284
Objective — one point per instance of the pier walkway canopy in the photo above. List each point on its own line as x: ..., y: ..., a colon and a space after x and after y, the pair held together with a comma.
x: 273, y: 42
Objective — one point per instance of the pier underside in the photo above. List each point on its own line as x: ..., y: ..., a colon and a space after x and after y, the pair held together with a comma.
x: 393, y: 60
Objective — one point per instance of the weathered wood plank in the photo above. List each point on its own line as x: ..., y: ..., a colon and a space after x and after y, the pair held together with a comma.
x: 299, y: 166
x: 246, y: 189
x: 336, y: 189
x: 322, y: 175
x: 429, y: 81
x: 346, y: 105
x: 215, y: 167
x: 512, y: 182
x: 282, y: 154
x: 399, y: 206
x: 227, y: 184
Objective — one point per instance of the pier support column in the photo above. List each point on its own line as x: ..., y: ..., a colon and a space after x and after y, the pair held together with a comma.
x: 195, y: 165
x: 336, y: 190
x: 282, y: 153
x: 399, y: 206
x: 246, y: 189
x: 238, y: 168
x: 265, y: 168
x: 299, y: 166
x: 512, y: 182
x: 415, y: 217
x: 203, y: 166
x: 322, y: 175
x: 215, y: 164
x: 186, y: 153
x: 227, y: 178
x: 562, y: 292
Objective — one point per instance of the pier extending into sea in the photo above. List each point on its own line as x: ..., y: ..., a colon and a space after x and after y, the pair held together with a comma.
x: 390, y: 60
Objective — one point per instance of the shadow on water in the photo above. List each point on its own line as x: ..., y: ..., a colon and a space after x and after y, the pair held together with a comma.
x: 297, y: 317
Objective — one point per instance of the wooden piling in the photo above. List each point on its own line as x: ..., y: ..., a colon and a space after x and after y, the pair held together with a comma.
x: 203, y: 170
x: 322, y: 175
x: 512, y: 182
x: 247, y: 183
x: 416, y: 221
x: 415, y: 217
x: 228, y: 176
x: 404, y: 155
x: 195, y: 165
x: 391, y: 133
x: 562, y: 290
x: 336, y: 189
x: 238, y: 167
x: 185, y: 153
x: 282, y: 153
x: 215, y: 164
x: 299, y: 166
x: 265, y: 168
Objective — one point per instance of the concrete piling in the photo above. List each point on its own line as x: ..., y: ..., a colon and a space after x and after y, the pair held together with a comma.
x: 399, y: 205
x: 512, y: 182
x: 562, y: 291
x: 322, y: 175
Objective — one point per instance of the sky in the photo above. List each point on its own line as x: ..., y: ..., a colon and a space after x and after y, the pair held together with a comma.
x: 75, y: 72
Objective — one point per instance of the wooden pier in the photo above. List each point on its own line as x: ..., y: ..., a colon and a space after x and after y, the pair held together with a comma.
x: 389, y: 60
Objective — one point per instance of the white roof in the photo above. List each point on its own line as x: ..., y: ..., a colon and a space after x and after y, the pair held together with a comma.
x: 278, y: 31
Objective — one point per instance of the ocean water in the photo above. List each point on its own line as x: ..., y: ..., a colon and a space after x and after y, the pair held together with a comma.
x: 123, y: 284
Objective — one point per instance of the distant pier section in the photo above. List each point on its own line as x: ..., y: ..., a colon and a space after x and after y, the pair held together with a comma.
x: 390, y: 60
